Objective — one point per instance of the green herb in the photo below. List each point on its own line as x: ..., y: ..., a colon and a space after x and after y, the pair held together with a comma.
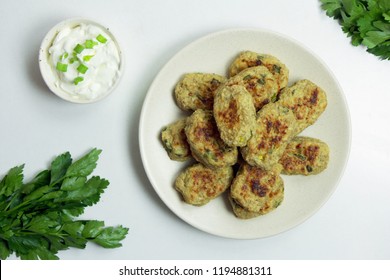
x: 247, y: 77
x: 64, y: 56
x: 89, y: 44
x: 261, y: 80
x: 276, y: 68
x: 168, y: 146
x: 62, y: 67
x: 37, y: 219
x: 101, y: 38
x: 209, y: 154
x: 367, y: 22
x: 78, y: 80
x: 300, y: 156
x: 73, y: 59
x: 274, y: 97
x: 260, y: 58
x: 82, y: 68
x: 79, y: 48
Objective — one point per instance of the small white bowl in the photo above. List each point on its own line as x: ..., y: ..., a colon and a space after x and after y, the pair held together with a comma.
x: 49, y: 73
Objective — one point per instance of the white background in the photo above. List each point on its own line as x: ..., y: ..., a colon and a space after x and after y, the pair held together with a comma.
x: 35, y: 125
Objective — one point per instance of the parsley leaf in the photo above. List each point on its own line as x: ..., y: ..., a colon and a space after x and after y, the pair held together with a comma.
x: 367, y: 22
x: 59, y: 166
x: 37, y: 218
x: 12, y: 181
x: 110, y: 237
x: 85, y: 165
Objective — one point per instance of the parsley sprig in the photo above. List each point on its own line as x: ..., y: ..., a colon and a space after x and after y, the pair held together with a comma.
x: 367, y: 22
x: 37, y: 219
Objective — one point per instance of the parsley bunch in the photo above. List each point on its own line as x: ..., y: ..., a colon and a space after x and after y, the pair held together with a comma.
x: 37, y: 219
x: 367, y: 22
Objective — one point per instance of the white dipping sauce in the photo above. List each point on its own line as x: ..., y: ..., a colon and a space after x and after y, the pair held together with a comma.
x: 102, y: 60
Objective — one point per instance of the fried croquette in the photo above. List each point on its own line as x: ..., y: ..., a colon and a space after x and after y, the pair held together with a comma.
x: 305, y: 156
x: 257, y: 190
x: 241, y: 212
x: 175, y: 141
x: 275, y: 127
x: 259, y: 82
x: 248, y: 59
x: 235, y: 114
x: 196, y: 90
x: 307, y: 100
x: 199, y: 184
x: 205, y: 142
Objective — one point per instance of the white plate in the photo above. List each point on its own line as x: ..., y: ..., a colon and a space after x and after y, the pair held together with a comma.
x: 303, y: 195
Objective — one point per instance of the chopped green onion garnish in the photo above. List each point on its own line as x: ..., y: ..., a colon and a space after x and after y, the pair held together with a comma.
x: 82, y: 68
x: 87, y: 57
x: 89, y: 44
x: 79, y: 48
x: 62, y: 67
x: 72, y: 59
x: 78, y: 80
x: 64, y: 56
x: 101, y: 38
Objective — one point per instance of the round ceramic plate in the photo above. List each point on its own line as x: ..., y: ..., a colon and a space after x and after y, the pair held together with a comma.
x: 304, y: 195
